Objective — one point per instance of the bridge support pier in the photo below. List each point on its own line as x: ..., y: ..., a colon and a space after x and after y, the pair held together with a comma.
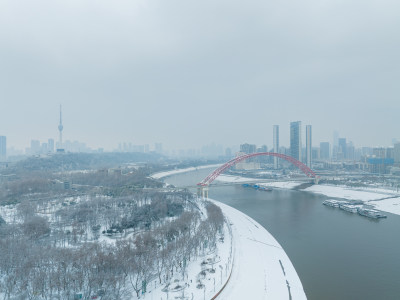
x: 202, y: 191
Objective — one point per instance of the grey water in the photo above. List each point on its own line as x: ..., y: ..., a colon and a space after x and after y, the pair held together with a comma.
x: 337, y: 255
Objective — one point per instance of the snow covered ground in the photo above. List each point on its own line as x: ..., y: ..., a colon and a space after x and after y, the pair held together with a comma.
x: 276, y: 184
x: 381, y: 199
x: 233, y: 179
x: 389, y: 205
x: 204, y: 278
x: 261, y: 268
x: 282, y: 184
x: 387, y: 200
x: 247, y: 264
x: 345, y: 192
x: 178, y: 171
x: 252, y: 264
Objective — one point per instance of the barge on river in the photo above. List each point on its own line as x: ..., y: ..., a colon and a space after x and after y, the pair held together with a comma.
x: 371, y: 213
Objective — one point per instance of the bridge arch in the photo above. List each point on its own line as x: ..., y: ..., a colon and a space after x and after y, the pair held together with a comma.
x: 212, y: 176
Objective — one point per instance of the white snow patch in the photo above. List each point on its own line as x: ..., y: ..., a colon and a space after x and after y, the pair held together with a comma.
x: 282, y: 184
x: 275, y: 184
x: 345, y: 193
x: 179, y: 171
x: 391, y: 205
x: 233, y: 179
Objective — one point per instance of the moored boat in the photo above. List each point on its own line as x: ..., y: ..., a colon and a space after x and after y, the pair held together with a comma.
x: 349, y: 207
x: 371, y: 213
x: 333, y: 203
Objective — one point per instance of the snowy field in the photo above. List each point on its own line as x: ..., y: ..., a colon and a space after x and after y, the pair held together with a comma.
x: 261, y: 268
x: 282, y: 184
x: 234, y: 179
x: 275, y: 184
x: 345, y: 192
x: 179, y: 171
x: 389, y: 205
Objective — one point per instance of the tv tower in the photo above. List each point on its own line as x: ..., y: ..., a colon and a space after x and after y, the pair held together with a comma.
x: 60, y: 129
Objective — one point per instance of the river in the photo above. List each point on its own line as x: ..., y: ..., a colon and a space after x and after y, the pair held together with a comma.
x: 337, y: 255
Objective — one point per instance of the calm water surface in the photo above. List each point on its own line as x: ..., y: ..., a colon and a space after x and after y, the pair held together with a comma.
x: 338, y: 255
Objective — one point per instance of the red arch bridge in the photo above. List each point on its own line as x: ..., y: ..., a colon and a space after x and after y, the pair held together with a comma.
x: 203, y: 185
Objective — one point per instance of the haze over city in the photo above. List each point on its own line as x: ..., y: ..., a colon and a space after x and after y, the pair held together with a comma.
x: 190, y: 73
x: 214, y: 149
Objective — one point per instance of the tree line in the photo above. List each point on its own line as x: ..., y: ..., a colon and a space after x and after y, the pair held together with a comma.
x: 167, y: 229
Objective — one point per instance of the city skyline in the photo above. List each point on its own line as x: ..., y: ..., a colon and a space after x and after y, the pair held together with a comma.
x: 327, y: 146
x: 161, y: 73
x: 270, y: 142
x: 199, y: 149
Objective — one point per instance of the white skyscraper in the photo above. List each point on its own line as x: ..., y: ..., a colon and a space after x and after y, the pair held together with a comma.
x: 308, y: 146
x: 276, y: 144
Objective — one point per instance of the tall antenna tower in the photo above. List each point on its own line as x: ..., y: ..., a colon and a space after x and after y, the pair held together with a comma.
x: 60, y: 128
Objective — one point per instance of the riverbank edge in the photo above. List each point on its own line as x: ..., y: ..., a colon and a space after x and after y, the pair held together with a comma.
x: 293, y: 291
x: 287, y: 284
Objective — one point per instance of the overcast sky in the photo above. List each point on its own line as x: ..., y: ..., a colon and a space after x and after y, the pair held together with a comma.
x: 187, y: 73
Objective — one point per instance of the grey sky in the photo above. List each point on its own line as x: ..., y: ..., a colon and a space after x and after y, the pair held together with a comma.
x: 186, y: 73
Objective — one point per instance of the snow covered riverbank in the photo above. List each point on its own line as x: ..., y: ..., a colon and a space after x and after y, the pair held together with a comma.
x: 383, y: 199
x: 261, y: 268
x: 179, y: 171
x: 276, y: 184
x: 250, y: 264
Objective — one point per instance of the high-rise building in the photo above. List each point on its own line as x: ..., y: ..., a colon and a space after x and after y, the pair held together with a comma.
x: 335, y: 139
x: 379, y: 152
x: 350, y: 151
x: 262, y: 159
x: 263, y: 148
x: 308, y: 146
x: 248, y: 148
x: 295, y: 140
x: 366, y: 151
x: 342, y: 153
x: 315, y: 154
x: 335, y: 145
x: 228, y: 152
x: 35, y: 147
x: 50, y: 145
x: 390, y: 152
x: 44, y: 148
x: 276, y: 145
x: 3, y: 148
x: 396, y: 153
x: 158, y: 148
x: 324, y: 150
